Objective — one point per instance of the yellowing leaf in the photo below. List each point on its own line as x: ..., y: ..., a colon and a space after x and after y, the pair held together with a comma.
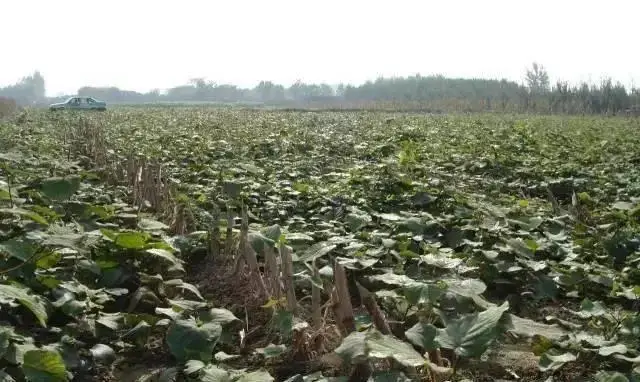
x: 44, y: 366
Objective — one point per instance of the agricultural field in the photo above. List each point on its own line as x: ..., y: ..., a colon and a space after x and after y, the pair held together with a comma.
x: 211, y: 244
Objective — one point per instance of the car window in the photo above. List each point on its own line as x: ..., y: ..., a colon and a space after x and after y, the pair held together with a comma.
x: 89, y: 100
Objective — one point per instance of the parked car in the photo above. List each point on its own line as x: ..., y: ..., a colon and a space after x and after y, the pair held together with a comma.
x: 79, y: 103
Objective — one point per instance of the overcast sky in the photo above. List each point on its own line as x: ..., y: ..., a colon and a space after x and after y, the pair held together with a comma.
x: 145, y: 44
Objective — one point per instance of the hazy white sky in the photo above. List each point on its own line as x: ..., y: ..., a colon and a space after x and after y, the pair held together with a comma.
x: 145, y: 44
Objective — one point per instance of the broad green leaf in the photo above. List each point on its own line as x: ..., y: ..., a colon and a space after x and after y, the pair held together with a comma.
x: 223, y: 357
x: 423, y: 335
x: 610, y: 376
x: 551, y: 361
x: 634, y: 360
x: 169, y: 374
x: 422, y: 293
x: 178, y: 283
x: 113, y: 321
x: 272, y: 350
x: 470, y: 335
x: 625, y: 206
x: 256, y: 376
x: 252, y: 168
x: 212, y: 373
x: 358, y: 263
x: 187, y: 340
x: 193, y: 366
x: 139, y: 334
x: 60, y: 189
x: 519, y: 247
x: 528, y: 223
x: 442, y: 262
x: 467, y: 288
x: 529, y: 328
x: 187, y: 304
x: 191, y: 288
x: 590, y: 309
x: 164, y: 254
x: 63, y: 239
x: 25, y: 213
x: 4, y: 377
x: 168, y: 312
x: 295, y: 237
x: 283, y: 322
x: 48, y: 260
x: 454, y: 238
x: 315, y: 377
x: 392, y: 279
x: 356, y: 221
x: 354, y: 348
x: 259, y: 242
x: 32, y: 302
x: 12, y: 156
x: 592, y: 339
x: 386, y: 346
x: 15, y: 353
x: 5, y: 340
x: 540, y: 345
x: 19, y: 248
x: 151, y: 225
x: 69, y: 304
x: 44, y: 366
x: 413, y: 224
x: 232, y: 189
x: 372, y: 345
x: 389, y: 376
x: 390, y: 217
x: 131, y: 240
x: 316, y: 251
x: 532, y: 245
x: 273, y: 232
x: 614, y: 349
x: 544, y: 287
x: 219, y: 316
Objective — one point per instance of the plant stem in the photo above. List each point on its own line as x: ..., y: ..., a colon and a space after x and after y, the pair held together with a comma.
x: 6, y: 170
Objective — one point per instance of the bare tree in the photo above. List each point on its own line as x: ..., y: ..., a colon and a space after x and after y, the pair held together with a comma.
x: 537, y: 78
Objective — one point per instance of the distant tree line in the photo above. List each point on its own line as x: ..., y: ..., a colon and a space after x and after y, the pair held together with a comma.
x: 29, y: 90
x: 429, y: 93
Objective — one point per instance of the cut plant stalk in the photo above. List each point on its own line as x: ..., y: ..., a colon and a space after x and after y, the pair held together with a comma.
x: 369, y: 301
x: 273, y: 272
x: 214, y: 241
x: 343, y: 298
x: 316, y: 302
x: 287, y: 274
x: 249, y: 255
x: 228, y: 240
